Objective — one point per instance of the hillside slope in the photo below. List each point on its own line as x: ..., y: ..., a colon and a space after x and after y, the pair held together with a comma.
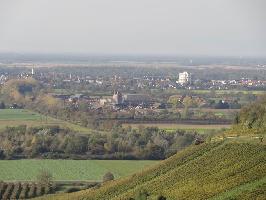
x: 219, y: 170
x: 251, y: 120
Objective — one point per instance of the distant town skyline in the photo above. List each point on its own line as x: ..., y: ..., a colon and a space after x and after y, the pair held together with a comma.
x: 147, y: 27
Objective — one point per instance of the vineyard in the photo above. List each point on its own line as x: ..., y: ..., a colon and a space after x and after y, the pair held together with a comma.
x: 215, y: 170
x: 22, y: 190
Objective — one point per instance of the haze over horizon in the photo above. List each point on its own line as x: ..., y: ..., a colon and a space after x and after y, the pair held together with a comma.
x: 172, y: 27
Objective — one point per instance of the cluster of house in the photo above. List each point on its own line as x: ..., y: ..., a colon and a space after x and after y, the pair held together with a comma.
x: 124, y: 101
x: 184, y: 80
x: 225, y: 84
x: 118, y: 100
x: 131, y: 99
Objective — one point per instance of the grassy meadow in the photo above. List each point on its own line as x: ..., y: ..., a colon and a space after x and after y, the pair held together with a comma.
x: 228, y: 114
x: 200, y: 128
x: 16, y: 117
x: 69, y: 170
x: 18, y: 114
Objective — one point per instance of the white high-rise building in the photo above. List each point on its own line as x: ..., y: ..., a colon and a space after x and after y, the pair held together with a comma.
x: 184, y: 78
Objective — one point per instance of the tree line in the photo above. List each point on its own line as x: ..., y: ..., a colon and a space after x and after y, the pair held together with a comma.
x: 252, y: 118
x: 121, y: 143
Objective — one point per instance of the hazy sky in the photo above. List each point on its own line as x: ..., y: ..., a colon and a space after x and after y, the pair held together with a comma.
x: 183, y: 27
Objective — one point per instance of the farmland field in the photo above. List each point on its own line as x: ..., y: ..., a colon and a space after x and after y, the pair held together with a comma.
x: 228, y: 114
x: 67, y: 170
x: 16, y: 117
x: 201, y: 128
x: 18, y: 114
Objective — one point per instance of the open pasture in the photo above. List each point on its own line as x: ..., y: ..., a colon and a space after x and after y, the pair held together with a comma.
x: 19, y: 114
x: 228, y: 114
x: 69, y: 170
x: 16, y: 117
x: 201, y: 128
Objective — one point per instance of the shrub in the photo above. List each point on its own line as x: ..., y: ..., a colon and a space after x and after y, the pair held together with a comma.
x: 45, y: 178
x: 160, y: 197
x: 49, y: 189
x: 24, y: 191
x: 108, y: 177
x: 32, y: 191
x: 90, y: 185
x: 16, y: 191
x: 2, y: 188
x: 8, y: 191
x: 72, y: 189
x: 39, y: 190
x: 142, y: 195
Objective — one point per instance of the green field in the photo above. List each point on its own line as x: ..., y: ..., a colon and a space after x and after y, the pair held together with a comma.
x: 16, y: 117
x: 66, y: 170
x: 200, y: 128
x: 18, y: 114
